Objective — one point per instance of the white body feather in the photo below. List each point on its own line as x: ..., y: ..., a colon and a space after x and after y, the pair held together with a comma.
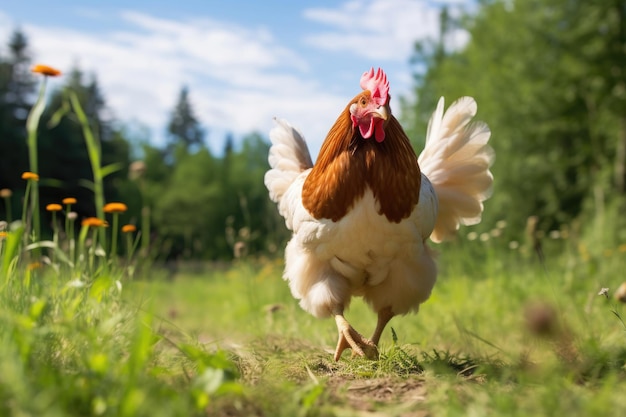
x: 363, y: 254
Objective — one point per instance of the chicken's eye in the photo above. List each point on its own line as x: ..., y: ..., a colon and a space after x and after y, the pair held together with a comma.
x: 363, y: 102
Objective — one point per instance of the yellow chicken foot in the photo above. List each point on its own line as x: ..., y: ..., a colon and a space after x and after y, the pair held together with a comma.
x: 384, y: 315
x: 351, y: 339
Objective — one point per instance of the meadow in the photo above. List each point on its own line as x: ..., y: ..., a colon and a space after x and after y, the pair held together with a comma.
x: 90, y: 326
x: 503, y: 334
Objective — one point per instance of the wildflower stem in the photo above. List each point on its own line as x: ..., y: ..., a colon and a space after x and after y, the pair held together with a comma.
x: 93, y: 150
x: 55, y: 234
x: 145, y: 230
x: 25, y: 203
x: 82, y: 245
x: 129, y: 249
x: 68, y: 210
x: 32, y: 124
x: 70, y: 217
x: 92, y: 250
x: 114, y: 235
x: 69, y: 231
x: 619, y: 316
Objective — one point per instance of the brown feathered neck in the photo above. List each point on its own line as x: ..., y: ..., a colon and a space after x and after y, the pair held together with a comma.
x: 348, y: 164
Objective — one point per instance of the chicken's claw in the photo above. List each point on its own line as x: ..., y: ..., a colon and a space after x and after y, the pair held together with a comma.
x: 351, y: 339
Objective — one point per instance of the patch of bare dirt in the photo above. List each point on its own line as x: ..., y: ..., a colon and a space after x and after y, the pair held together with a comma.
x: 404, y: 396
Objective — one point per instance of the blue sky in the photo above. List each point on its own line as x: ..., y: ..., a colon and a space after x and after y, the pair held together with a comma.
x: 243, y: 61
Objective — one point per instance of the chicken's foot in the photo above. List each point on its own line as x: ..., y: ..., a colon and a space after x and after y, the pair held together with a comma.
x: 351, y: 339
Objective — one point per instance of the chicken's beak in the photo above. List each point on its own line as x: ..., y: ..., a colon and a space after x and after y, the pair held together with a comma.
x: 381, y: 113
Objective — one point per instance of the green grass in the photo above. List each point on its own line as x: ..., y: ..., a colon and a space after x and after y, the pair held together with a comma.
x: 501, y: 335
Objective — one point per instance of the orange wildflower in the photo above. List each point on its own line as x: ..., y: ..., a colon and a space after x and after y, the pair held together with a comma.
x: 30, y: 176
x: 3, y: 235
x: 54, y: 207
x: 34, y: 265
x: 69, y: 200
x: 115, y: 208
x: 6, y: 193
x: 45, y: 70
x: 129, y: 228
x: 94, y: 222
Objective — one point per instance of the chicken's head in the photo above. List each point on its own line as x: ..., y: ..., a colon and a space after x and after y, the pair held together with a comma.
x: 370, y: 109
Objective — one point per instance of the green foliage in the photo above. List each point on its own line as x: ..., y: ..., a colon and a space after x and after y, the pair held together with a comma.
x: 549, y: 80
x: 205, y: 206
x: 184, y: 210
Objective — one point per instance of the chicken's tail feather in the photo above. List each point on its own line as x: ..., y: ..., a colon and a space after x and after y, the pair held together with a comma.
x: 456, y: 159
x: 288, y: 157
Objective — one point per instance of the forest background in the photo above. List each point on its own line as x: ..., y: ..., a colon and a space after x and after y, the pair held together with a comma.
x: 549, y: 77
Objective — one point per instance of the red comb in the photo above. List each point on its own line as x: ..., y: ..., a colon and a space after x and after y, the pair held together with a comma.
x: 377, y: 84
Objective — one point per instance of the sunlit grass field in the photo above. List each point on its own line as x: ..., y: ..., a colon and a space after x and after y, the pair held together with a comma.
x: 503, y: 334
x: 87, y: 330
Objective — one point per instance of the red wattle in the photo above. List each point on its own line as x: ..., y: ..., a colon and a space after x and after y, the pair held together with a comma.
x: 379, y: 133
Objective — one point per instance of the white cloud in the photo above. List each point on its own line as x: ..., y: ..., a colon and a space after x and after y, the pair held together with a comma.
x: 209, y: 43
x: 380, y: 29
x: 239, y: 77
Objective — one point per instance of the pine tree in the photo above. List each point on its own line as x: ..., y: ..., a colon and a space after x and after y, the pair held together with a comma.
x: 184, y: 130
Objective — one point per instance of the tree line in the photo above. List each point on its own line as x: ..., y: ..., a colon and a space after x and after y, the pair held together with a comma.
x: 549, y: 77
x: 199, y: 205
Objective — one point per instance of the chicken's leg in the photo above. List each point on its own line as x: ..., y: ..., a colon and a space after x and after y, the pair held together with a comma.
x: 351, y: 339
x: 384, y: 316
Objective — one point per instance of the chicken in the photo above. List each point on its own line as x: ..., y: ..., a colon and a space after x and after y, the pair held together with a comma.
x: 362, y: 214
